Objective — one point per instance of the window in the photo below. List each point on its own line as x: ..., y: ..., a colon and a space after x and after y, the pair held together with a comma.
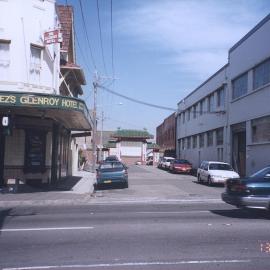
x: 4, y: 59
x: 240, y: 86
x: 261, y: 74
x: 188, y: 142
x: 201, y: 140
x: 183, y: 144
x: 220, y: 154
x: 211, y: 103
x: 261, y: 129
x: 221, y: 97
x: 201, y: 107
x: 183, y: 117
x: 35, y: 64
x: 194, y: 111
x: 189, y: 112
x: 209, y: 138
x: 194, y: 141
x: 35, y: 151
x: 219, y: 136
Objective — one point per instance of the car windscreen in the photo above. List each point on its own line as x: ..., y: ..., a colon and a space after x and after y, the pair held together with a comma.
x: 261, y: 173
x: 111, y: 165
x: 181, y: 161
x: 220, y: 166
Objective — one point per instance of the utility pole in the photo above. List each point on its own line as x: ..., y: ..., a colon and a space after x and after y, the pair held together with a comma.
x: 94, y: 135
x: 101, y: 132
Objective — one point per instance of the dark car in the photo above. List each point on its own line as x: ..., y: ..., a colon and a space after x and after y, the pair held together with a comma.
x: 253, y: 191
x: 112, y: 173
x: 180, y: 166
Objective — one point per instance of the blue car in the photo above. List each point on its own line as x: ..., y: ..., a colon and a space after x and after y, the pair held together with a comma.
x: 112, y: 173
x: 251, y: 192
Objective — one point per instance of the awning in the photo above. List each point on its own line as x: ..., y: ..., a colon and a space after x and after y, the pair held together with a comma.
x: 70, y: 112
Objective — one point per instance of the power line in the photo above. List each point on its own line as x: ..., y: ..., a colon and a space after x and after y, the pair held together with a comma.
x: 136, y: 100
x: 86, y: 34
x: 100, y: 38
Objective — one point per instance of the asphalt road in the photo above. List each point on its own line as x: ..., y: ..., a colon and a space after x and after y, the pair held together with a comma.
x: 136, y: 235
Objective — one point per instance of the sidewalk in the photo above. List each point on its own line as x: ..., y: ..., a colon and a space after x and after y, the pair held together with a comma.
x: 73, y: 190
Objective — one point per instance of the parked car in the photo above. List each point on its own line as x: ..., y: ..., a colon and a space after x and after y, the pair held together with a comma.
x: 212, y: 172
x: 252, y: 191
x: 180, y: 166
x: 109, y: 173
x: 111, y: 158
x: 165, y: 164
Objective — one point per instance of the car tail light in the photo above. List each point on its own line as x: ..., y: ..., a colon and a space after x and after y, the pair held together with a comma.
x: 126, y: 173
x: 98, y: 174
x: 238, y: 188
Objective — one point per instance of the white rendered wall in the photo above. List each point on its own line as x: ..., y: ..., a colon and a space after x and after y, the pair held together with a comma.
x: 24, y: 22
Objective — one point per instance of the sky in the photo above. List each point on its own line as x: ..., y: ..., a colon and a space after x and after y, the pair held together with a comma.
x: 162, y: 50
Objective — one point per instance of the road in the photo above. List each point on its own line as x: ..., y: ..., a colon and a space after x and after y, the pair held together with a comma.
x: 147, y: 234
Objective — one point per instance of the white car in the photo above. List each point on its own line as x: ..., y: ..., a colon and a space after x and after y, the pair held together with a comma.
x: 212, y: 172
x: 166, y: 162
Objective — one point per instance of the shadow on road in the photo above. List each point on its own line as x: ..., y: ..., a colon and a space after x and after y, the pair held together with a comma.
x: 204, y: 184
x: 243, y: 213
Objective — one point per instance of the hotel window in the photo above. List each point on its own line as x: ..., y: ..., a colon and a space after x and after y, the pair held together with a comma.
x: 261, y: 129
x: 183, y: 144
x: 261, y: 74
x: 4, y: 59
x: 35, y: 63
x: 194, y: 141
x: 240, y: 86
x: 209, y: 138
x: 35, y: 151
x: 220, y: 97
x: 183, y: 117
x: 201, y: 140
x: 211, y: 103
x: 219, y: 136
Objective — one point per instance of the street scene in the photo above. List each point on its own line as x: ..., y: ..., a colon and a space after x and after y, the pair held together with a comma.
x: 162, y: 221
x: 134, y: 134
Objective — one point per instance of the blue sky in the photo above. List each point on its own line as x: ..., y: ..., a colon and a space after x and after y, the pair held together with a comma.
x: 163, y: 49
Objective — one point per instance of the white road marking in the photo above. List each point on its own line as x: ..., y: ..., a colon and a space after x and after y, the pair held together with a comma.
x: 173, y: 212
x: 46, y: 229
x: 131, y: 264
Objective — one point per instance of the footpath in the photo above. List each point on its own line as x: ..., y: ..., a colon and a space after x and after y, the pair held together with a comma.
x: 72, y: 190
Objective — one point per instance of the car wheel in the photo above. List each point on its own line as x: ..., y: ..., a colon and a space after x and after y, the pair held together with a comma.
x: 209, y: 181
x: 199, y: 178
x: 126, y: 185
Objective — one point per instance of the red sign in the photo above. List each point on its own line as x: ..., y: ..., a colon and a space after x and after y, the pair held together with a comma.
x: 53, y: 36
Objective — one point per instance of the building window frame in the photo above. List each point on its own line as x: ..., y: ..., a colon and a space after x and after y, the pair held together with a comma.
x: 201, y: 140
x: 221, y: 97
x: 261, y: 74
x: 260, y: 130
x: 35, y: 151
x: 220, y: 136
x: 240, y: 86
x: 210, y: 138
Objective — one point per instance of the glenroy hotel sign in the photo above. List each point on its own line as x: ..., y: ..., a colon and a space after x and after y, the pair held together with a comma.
x: 43, y: 101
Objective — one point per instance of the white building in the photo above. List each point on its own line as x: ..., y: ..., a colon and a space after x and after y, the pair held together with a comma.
x: 38, y: 108
x: 227, y: 118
